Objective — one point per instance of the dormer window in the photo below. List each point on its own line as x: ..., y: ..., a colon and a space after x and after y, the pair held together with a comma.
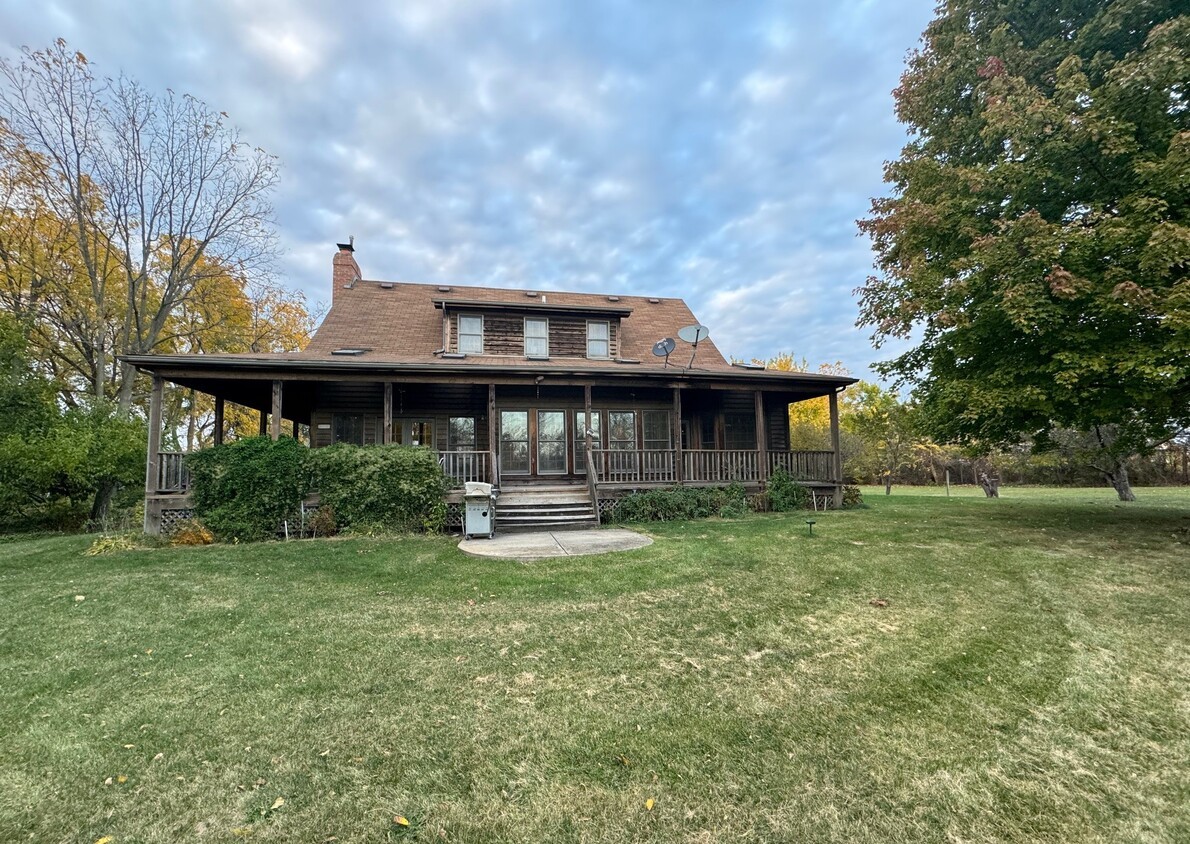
x: 537, y: 337
x: 470, y: 335
x: 598, y: 340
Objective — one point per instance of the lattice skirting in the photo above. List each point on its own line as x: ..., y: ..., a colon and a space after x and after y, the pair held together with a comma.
x: 170, y: 519
x: 454, y: 516
x: 606, y: 505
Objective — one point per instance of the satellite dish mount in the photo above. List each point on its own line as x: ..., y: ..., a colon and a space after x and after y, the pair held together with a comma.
x: 662, y: 348
x: 693, y: 334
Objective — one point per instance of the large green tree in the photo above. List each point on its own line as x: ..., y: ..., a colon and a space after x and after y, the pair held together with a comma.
x: 1035, y: 244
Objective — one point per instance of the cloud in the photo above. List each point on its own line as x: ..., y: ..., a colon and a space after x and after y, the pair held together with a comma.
x: 718, y: 152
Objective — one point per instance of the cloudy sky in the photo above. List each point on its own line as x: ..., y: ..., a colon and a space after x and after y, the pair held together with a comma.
x: 718, y: 151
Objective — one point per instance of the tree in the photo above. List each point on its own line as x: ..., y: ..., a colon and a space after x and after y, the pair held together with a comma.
x: 132, y: 201
x: 885, y: 426
x: 1036, y: 242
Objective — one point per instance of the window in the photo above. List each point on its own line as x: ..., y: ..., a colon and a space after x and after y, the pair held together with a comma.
x: 580, y: 438
x: 598, y: 340
x: 551, y: 442
x: 347, y: 428
x: 537, y: 337
x: 621, y: 429
x: 514, y: 442
x: 471, y: 335
x: 656, y: 429
x: 739, y: 430
x: 461, y: 434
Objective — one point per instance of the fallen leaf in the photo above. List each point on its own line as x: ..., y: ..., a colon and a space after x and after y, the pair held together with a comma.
x: 129, y: 746
x: 878, y: 602
x: 158, y: 757
x: 242, y: 831
x: 107, y: 839
x: 108, y: 781
x: 277, y: 804
x: 649, y: 805
x: 80, y: 597
x: 623, y: 760
x: 400, y: 820
x: 121, y: 779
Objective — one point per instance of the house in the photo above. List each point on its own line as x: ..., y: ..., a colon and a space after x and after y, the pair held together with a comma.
x: 557, y: 399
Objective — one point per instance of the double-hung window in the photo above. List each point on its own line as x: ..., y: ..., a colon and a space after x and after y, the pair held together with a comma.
x: 470, y: 335
x: 537, y: 337
x: 598, y: 340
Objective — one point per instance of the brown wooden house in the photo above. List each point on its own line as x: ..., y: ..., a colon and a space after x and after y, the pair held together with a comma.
x: 555, y: 398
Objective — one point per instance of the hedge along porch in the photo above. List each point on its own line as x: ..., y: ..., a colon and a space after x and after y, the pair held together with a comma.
x: 514, y: 429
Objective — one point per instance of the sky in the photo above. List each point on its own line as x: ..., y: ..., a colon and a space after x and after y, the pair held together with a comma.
x: 716, y: 151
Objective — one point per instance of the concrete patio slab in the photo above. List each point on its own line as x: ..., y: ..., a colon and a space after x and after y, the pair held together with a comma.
x: 557, y: 543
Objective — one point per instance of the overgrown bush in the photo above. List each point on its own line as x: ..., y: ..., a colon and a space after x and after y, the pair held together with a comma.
x: 244, y: 490
x: 380, y: 487
x: 852, y: 496
x: 784, y: 493
x: 680, y: 504
x: 322, y: 522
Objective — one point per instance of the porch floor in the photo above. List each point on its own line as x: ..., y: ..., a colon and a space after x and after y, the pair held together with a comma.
x: 558, y: 543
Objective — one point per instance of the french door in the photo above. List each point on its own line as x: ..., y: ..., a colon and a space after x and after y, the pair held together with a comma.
x: 533, y: 442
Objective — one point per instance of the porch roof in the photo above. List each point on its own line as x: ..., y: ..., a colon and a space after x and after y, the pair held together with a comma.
x: 207, y: 371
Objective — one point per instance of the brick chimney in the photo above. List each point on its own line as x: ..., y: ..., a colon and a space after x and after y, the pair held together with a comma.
x: 346, y: 270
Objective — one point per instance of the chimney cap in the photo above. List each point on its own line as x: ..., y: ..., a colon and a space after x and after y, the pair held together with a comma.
x: 349, y: 246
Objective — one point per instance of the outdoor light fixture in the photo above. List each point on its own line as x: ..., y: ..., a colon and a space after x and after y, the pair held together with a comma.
x: 810, y: 524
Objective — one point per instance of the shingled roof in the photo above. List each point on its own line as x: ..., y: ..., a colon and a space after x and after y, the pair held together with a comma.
x: 398, y: 322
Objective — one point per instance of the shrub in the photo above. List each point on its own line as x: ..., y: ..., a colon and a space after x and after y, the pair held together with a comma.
x: 852, y: 496
x: 322, y: 522
x: 190, y: 532
x: 786, y: 494
x: 680, y: 504
x: 381, y: 487
x: 244, y: 490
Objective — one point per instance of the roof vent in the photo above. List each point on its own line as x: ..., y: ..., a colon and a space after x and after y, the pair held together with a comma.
x: 386, y: 285
x: 626, y: 360
x: 350, y: 352
x: 444, y: 289
x: 742, y: 365
x: 613, y: 298
x: 530, y: 294
x: 654, y: 301
x: 454, y: 355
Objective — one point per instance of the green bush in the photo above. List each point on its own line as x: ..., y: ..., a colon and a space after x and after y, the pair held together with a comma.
x: 786, y: 494
x: 680, y: 504
x: 381, y: 487
x: 852, y: 497
x: 244, y: 490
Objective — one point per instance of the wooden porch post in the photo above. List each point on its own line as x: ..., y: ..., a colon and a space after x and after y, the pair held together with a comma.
x: 218, y: 420
x: 837, y: 461
x: 264, y: 422
x: 492, y: 443
x: 388, y: 412
x: 153, y: 509
x: 275, y: 427
x: 762, y: 440
x: 677, y: 434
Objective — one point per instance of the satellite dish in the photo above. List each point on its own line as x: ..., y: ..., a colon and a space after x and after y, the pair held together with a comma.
x: 692, y: 334
x: 662, y: 348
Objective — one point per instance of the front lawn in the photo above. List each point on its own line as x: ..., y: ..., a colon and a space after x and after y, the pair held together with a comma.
x: 923, y: 669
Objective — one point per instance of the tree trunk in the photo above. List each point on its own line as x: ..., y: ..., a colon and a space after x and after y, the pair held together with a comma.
x: 102, y: 505
x: 991, y: 486
x: 1117, y: 476
x: 888, y: 483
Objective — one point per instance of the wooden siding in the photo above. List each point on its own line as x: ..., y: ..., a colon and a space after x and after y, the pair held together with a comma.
x: 504, y: 334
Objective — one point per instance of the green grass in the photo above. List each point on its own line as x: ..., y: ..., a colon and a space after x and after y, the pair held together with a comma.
x: 1029, y: 680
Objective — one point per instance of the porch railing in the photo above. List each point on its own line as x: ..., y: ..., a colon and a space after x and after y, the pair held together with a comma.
x: 172, y: 474
x: 805, y: 465
x: 634, y: 465
x: 721, y: 465
x: 463, y: 466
